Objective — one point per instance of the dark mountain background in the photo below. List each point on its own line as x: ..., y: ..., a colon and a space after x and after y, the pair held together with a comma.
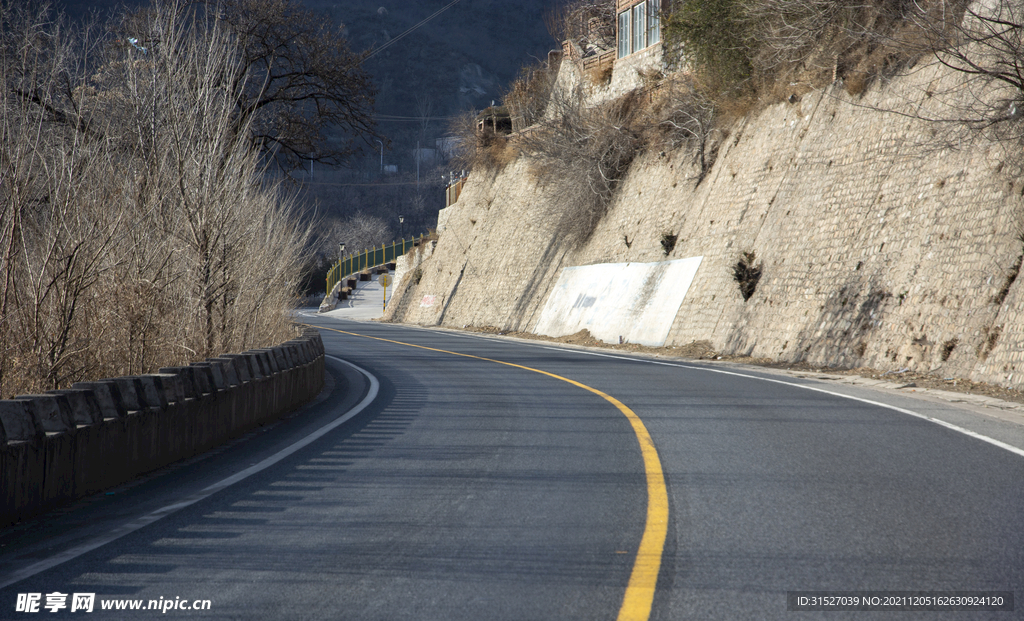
x: 461, y: 60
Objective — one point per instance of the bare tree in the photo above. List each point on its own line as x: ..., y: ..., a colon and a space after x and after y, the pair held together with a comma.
x: 203, y: 175
x: 136, y: 230
x: 359, y: 232
x: 302, y: 81
x: 424, y: 110
x: 588, y: 24
x: 983, y: 45
x: 55, y: 232
x: 301, y: 95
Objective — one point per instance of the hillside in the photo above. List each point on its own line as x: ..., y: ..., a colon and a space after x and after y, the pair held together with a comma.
x: 876, y: 246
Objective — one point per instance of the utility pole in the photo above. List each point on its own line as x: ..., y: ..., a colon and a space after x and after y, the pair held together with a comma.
x: 381, y: 156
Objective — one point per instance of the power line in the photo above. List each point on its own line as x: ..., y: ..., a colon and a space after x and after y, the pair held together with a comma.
x: 411, y: 119
x: 396, y: 39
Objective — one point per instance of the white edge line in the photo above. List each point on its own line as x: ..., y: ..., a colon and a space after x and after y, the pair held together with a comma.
x: 134, y: 525
x: 968, y: 432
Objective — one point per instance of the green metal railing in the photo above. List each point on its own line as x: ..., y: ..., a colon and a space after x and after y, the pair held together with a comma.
x: 369, y: 258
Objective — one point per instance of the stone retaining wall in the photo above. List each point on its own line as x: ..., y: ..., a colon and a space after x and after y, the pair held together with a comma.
x: 67, y: 444
x: 879, y: 247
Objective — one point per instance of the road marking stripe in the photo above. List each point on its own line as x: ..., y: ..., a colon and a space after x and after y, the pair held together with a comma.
x: 639, y: 596
x: 17, y: 576
x: 967, y: 432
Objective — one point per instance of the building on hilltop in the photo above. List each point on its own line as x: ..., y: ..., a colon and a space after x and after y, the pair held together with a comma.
x: 638, y: 42
x: 613, y: 48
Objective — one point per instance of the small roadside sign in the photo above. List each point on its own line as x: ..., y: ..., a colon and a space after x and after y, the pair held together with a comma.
x: 384, y: 281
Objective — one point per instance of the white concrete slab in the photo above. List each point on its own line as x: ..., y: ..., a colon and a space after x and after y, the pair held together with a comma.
x: 637, y: 301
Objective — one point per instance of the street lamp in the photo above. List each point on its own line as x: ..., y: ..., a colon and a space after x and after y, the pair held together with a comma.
x: 341, y: 251
x: 381, y: 155
x: 401, y: 227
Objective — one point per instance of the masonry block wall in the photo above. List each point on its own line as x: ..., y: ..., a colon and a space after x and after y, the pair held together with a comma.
x: 67, y: 444
x: 879, y: 246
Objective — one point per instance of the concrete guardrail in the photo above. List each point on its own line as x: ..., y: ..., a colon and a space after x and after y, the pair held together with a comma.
x: 67, y: 444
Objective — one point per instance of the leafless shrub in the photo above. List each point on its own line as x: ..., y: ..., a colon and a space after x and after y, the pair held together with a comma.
x: 818, y: 35
x: 601, y: 74
x: 581, y: 153
x: 747, y: 273
x: 688, y: 120
x: 794, y: 45
x: 668, y: 242
x: 528, y: 96
x: 947, y: 349
x: 581, y: 150
x: 792, y: 30
x: 769, y: 48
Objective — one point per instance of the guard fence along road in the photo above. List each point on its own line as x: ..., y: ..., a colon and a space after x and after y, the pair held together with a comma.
x: 369, y: 258
x: 67, y: 444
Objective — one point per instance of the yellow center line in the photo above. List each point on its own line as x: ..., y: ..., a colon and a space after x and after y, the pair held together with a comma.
x: 636, y: 604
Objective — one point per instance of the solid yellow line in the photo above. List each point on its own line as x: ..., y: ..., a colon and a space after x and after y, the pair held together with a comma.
x: 636, y: 604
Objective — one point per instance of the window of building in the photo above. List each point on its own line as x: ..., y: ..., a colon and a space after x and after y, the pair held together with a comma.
x: 639, y: 27
x: 639, y: 20
x: 653, y: 21
x: 623, y: 34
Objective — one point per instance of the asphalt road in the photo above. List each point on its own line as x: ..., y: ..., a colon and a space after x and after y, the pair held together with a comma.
x: 461, y: 488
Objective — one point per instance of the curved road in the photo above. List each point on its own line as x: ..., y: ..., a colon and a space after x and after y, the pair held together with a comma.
x: 431, y: 482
